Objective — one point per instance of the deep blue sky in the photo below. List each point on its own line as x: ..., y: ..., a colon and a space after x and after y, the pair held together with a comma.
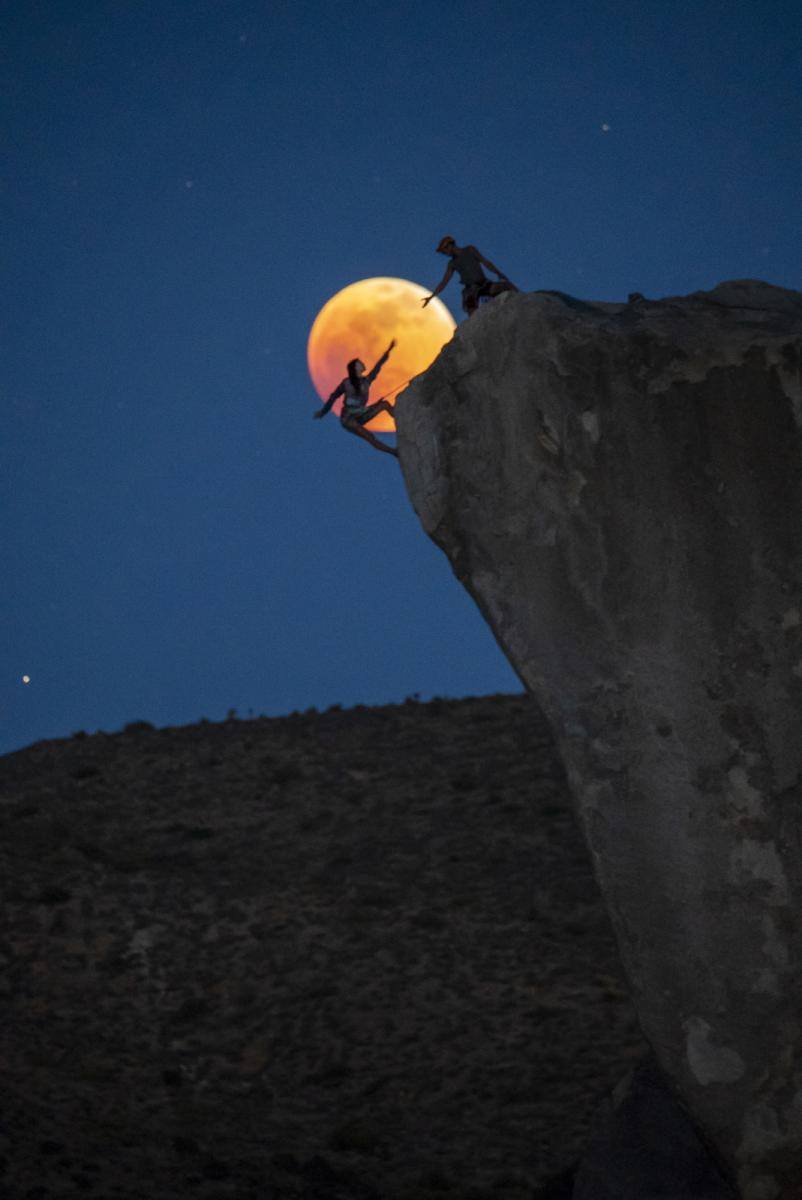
x: 186, y: 182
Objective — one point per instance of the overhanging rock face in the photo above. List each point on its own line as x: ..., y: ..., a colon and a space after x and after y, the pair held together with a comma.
x: 620, y: 489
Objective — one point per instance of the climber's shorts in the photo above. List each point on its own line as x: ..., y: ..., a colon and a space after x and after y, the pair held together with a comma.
x: 473, y: 293
x: 360, y: 416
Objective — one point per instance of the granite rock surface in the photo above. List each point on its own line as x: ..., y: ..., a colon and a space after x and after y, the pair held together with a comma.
x: 619, y: 486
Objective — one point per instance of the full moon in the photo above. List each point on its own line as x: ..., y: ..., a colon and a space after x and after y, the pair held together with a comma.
x: 361, y: 321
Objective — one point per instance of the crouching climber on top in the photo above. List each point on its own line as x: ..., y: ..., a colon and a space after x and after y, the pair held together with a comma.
x: 467, y: 261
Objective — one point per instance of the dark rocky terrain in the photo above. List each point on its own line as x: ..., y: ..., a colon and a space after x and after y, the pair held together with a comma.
x: 341, y: 955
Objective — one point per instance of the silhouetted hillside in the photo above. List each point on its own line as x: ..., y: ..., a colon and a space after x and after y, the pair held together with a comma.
x: 346, y: 954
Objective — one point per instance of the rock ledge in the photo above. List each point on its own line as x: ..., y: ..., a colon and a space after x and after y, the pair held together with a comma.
x: 619, y: 487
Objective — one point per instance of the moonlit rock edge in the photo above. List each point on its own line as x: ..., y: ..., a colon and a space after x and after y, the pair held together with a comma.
x: 619, y: 487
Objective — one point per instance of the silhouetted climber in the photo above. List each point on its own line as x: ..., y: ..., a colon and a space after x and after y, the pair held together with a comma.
x: 467, y: 262
x: 356, y: 412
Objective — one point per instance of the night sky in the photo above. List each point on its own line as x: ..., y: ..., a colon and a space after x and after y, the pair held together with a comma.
x: 187, y: 182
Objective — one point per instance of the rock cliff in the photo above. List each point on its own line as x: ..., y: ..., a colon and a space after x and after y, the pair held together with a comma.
x: 619, y: 487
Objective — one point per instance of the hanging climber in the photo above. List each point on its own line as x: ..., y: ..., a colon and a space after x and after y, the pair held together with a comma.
x: 467, y: 261
x: 356, y: 412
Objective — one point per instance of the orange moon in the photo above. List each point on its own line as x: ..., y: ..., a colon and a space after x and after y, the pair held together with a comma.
x: 361, y: 321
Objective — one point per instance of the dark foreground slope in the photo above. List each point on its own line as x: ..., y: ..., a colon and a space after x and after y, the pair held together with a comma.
x: 333, y: 955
